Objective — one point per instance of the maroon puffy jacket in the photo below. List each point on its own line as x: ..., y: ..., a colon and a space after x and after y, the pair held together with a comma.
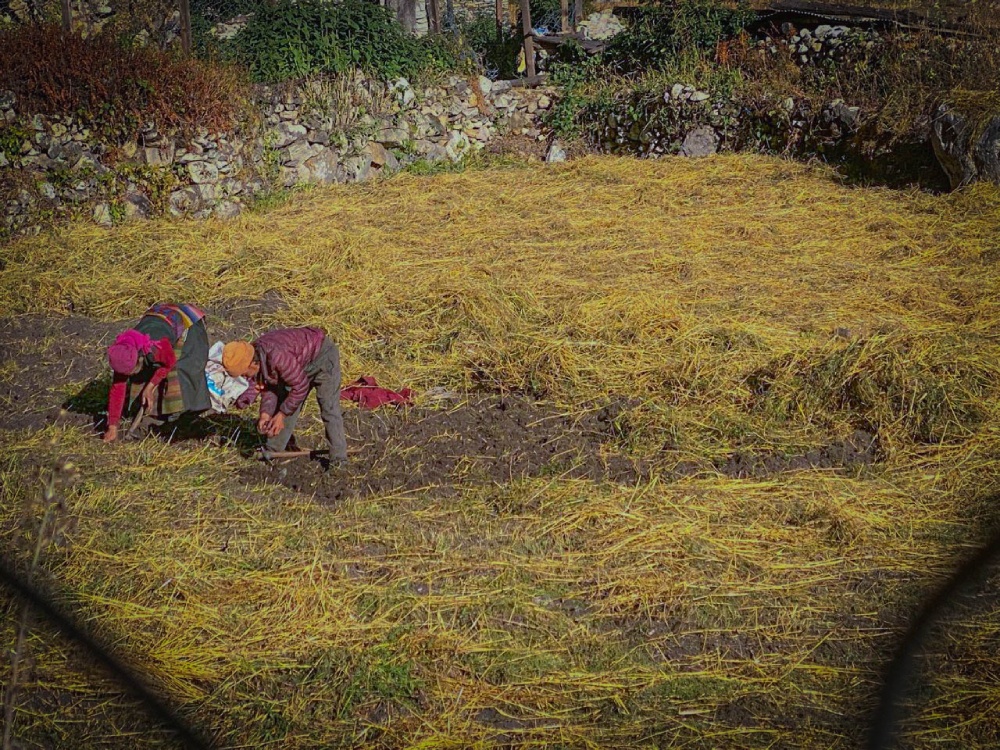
x: 284, y: 355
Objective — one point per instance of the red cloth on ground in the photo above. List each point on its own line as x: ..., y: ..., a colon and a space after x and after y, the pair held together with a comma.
x: 163, y: 355
x: 367, y: 393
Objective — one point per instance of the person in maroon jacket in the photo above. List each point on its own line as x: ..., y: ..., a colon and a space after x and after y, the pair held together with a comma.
x: 283, y: 366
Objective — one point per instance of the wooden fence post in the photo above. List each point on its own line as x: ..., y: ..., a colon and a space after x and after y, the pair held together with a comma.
x: 67, y: 16
x: 499, y: 5
x: 186, y: 26
x: 529, y: 45
x: 564, y: 16
x: 577, y: 13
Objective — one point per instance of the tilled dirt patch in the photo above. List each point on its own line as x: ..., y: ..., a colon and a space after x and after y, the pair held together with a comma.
x: 42, y: 355
x: 494, y: 440
x: 482, y: 441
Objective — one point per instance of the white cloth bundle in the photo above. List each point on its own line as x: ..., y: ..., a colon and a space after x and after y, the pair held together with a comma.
x: 222, y: 387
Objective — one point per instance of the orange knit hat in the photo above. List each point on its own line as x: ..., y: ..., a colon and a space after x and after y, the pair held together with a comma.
x: 236, y: 357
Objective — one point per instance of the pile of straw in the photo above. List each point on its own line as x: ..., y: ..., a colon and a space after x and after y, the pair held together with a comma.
x: 706, y: 612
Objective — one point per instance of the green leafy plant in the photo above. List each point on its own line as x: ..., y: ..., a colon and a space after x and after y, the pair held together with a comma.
x: 298, y: 39
x: 11, y: 138
x: 668, y: 29
x: 496, y: 50
x: 572, y: 80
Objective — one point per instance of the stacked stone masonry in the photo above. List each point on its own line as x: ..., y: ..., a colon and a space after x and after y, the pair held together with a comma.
x: 312, y: 135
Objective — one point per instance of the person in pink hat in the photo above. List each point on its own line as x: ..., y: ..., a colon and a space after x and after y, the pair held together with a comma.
x: 162, y: 359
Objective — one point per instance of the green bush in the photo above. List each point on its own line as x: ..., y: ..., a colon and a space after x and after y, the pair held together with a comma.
x: 669, y: 29
x: 496, y: 53
x: 573, y: 74
x: 298, y: 39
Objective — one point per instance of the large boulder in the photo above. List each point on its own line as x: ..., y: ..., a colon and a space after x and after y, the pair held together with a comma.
x: 323, y: 167
x: 357, y: 168
x: 702, y: 141
x: 458, y: 146
x: 137, y: 205
x: 967, y: 146
x: 556, y: 153
x: 184, y: 201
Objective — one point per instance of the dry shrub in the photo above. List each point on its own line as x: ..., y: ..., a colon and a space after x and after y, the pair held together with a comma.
x: 898, y: 83
x: 113, y: 89
x: 916, y: 71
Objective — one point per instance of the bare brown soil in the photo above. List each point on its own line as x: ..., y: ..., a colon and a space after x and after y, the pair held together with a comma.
x: 484, y: 440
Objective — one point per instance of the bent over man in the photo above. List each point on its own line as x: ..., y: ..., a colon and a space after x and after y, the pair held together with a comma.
x: 283, y: 366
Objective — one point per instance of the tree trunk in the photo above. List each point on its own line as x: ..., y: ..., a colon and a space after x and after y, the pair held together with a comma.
x: 434, y: 22
x: 186, y: 26
x: 405, y: 12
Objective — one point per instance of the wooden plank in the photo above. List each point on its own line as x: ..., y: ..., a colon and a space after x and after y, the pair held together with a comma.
x: 186, y: 26
x: 529, y: 46
x: 838, y: 13
x: 552, y: 41
x: 266, y: 454
x: 530, y: 82
x: 833, y: 12
x: 564, y: 16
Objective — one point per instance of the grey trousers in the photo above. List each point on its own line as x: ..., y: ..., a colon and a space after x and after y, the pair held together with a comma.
x: 324, y: 374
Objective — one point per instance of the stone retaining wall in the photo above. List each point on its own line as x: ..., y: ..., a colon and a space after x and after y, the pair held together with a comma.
x: 326, y: 131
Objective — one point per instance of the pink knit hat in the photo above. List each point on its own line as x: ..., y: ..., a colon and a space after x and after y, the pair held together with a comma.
x: 124, y: 353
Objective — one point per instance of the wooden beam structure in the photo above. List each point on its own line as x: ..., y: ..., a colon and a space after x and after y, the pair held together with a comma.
x: 529, y: 46
x: 799, y: 12
x: 809, y: 11
x: 552, y: 41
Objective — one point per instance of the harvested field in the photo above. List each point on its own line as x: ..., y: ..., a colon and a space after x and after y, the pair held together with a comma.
x: 692, y: 441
